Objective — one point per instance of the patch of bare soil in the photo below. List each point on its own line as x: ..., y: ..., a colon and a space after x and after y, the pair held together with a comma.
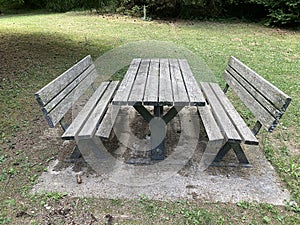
x: 139, y: 128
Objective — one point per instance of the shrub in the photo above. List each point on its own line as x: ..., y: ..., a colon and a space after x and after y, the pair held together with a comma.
x: 282, y: 12
x: 60, y: 5
x: 10, y: 4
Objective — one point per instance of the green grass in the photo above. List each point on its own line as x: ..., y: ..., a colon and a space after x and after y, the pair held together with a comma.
x: 36, y: 47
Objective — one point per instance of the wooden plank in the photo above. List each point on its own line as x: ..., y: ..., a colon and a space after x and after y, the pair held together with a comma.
x: 151, y: 90
x: 219, y: 113
x: 261, y: 114
x: 84, y: 114
x: 68, y: 89
x: 251, y: 89
x: 44, y: 95
x: 275, y: 95
x: 241, y: 126
x: 138, y: 88
x: 178, y: 87
x: 108, y: 122
x: 194, y: 92
x: 165, y: 85
x: 124, y: 90
x: 60, y: 110
x: 214, y: 134
x: 211, y: 127
x: 89, y: 128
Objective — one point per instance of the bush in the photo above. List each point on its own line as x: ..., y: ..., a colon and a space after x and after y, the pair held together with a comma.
x: 10, y: 4
x: 60, y: 5
x: 99, y: 5
x: 66, y: 5
x: 282, y: 12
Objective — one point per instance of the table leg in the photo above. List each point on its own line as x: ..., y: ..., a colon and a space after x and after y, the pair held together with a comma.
x: 158, y: 129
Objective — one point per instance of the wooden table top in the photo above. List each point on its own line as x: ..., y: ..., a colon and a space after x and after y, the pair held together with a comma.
x: 159, y: 82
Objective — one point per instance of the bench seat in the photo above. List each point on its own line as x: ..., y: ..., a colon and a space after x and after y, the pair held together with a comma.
x: 91, y: 116
x: 59, y: 96
x: 266, y: 102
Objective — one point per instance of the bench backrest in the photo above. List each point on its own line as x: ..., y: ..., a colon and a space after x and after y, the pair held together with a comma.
x: 57, y: 97
x: 264, y: 100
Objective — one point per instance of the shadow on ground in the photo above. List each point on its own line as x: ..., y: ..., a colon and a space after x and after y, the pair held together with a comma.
x: 181, y: 178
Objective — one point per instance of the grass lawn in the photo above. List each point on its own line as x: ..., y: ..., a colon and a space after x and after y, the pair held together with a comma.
x: 36, y: 47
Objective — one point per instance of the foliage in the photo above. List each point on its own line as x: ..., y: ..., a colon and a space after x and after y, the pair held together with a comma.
x: 60, y: 5
x: 282, y: 12
x: 9, y: 4
x: 183, y: 8
x: 66, y: 5
x: 95, y: 4
x: 278, y: 13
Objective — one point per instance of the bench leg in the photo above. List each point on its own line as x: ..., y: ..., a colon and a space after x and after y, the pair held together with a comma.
x: 75, y: 156
x: 237, y: 150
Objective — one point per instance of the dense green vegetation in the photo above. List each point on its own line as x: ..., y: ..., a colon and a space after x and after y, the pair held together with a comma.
x: 273, y: 12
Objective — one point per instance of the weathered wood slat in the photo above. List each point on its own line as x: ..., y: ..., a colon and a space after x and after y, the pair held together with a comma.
x: 60, y: 110
x: 244, y: 131
x: 56, y: 100
x: 151, y: 91
x: 267, y: 120
x: 220, y: 115
x: 84, y: 114
x: 211, y: 127
x: 165, y: 85
x: 178, y: 86
x: 90, y: 126
x: 122, y: 95
x: 108, y: 122
x: 48, y: 92
x: 214, y: 134
x: 248, y: 87
x: 279, y: 98
x: 138, y: 88
x: 195, y: 95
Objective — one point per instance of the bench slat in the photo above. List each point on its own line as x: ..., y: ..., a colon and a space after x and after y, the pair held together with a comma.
x: 211, y: 127
x: 48, y: 92
x: 138, y: 88
x: 151, y: 92
x: 165, y: 85
x: 178, y: 86
x: 220, y: 115
x: 108, y: 122
x: 214, y: 134
x: 127, y: 82
x: 84, y: 114
x: 241, y: 126
x: 193, y: 89
x: 61, y: 109
x: 90, y: 126
x: 275, y: 95
x: 56, y: 100
x: 264, y: 102
x: 259, y: 112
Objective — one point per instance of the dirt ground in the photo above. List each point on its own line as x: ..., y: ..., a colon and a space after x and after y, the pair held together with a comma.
x: 180, y: 175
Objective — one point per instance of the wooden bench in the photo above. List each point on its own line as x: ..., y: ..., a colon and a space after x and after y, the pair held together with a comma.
x: 224, y: 126
x: 58, y: 97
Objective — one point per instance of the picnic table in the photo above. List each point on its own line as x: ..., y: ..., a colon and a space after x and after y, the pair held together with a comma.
x: 158, y: 83
x: 158, y: 89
